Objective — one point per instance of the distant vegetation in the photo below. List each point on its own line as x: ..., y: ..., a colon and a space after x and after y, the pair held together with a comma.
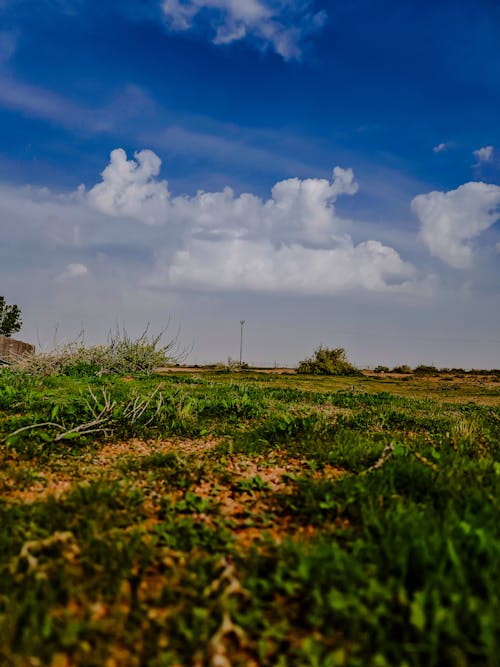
x: 404, y: 368
x: 327, y: 361
x: 423, y: 369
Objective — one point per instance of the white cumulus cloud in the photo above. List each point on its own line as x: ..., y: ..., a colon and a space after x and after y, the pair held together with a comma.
x: 73, y: 271
x: 129, y: 188
x: 484, y: 154
x: 260, y: 266
x: 130, y: 225
x: 299, y: 210
x: 280, y: 25
x: 450, y: 221
x: 292, y: 242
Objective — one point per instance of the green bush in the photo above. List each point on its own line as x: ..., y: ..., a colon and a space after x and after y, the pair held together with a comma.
x: 328, y: 361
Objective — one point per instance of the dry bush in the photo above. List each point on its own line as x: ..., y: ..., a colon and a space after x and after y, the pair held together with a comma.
x: 122, y: 354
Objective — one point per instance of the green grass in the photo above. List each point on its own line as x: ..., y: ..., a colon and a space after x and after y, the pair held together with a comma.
x: 262, y: 520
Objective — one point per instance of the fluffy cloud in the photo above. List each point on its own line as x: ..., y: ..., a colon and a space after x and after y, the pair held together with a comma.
x: 293, y: 242
x: 450, y: 221
x: 440, y: 148
x: 73, y: 271
x: 298, y: 211
x: 260, y: 266
x: 129, y: 188
x: 484, y: 154
x: 279, y: 25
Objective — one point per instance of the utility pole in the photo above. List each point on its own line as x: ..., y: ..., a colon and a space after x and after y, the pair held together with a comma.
x: 242, y: 322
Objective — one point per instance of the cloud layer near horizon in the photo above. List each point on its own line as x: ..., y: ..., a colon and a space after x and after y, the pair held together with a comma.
x: 294, y: 242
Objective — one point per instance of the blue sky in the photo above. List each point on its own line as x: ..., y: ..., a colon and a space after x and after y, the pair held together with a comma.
x: 395, y: 255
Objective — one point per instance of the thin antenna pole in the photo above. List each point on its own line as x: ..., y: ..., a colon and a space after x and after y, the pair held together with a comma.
x: 242, y: 322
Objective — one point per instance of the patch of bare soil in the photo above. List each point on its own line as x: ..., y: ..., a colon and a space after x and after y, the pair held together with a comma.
x: 21, y: 485
x: 246, y: 502
x: 137, y: 448
x: 242, y: 492
x: 49, y: 485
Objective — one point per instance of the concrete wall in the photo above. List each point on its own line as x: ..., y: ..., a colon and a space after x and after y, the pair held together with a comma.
x: 11, y: 349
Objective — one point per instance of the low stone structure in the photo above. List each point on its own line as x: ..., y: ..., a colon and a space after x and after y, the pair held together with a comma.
x: 11, y: 349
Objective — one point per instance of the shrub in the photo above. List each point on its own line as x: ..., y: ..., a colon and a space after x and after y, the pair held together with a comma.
x: 381, y: 369
x: 328, y: 361
x: 231, y: 366
x: 426, y: 370
x: 404, y: 368
x: 121, y: 355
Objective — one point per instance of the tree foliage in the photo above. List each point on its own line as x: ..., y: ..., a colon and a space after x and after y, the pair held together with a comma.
x: 10, y: 318
x: 327, y: 361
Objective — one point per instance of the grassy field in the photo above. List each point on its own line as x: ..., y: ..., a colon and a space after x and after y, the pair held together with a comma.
x: 218, y: 520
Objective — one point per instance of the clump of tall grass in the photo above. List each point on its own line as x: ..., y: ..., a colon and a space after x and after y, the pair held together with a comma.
x: 122, y: 354
x: 328, y: 361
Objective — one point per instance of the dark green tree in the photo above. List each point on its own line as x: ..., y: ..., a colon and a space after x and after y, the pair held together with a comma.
x: 10, y: 318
